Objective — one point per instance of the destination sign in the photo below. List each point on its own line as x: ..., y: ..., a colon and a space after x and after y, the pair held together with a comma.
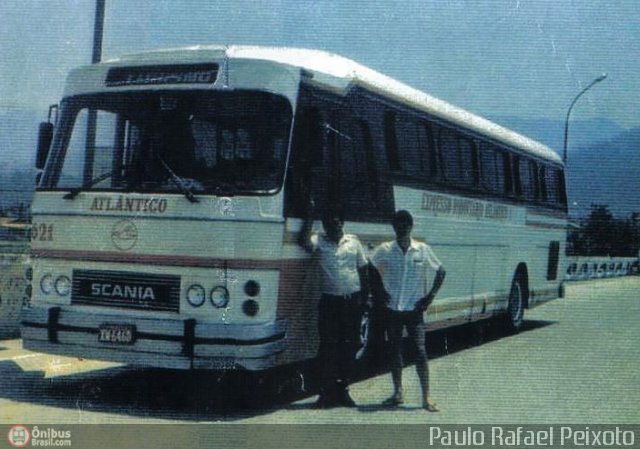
x: 464, y: 207
x: 162, y: 74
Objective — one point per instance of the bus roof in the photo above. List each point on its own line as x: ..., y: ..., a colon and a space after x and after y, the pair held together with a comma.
x: 340, y: 74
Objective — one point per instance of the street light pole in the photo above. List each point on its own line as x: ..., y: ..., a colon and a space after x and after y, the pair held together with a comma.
x: 98, y: 27
x: 566, y: 123
x: 92, y: 117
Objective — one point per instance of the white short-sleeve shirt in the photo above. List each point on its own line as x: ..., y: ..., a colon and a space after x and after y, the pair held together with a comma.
x: 339, y: 263
x: 405, y: 276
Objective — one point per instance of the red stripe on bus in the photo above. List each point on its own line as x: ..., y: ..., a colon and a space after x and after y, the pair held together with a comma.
x: 539, y: 224
x: 157, y: 259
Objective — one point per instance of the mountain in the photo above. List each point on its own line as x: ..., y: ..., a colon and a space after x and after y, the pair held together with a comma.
x: 18, y: 137
x: 606, y: 172
x: 602, y: 164
x: 551, y: 132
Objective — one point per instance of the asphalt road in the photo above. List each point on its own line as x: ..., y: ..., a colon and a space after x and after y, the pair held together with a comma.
x: 577, y: 360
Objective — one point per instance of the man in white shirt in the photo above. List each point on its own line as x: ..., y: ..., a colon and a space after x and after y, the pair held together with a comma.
x: 343, y: 267
x: 403, y: 265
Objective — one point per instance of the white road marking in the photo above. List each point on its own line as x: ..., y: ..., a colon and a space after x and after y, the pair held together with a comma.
x: 18, y: 357
x: 51, y: 365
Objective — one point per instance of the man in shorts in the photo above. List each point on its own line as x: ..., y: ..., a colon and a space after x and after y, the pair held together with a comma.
x: 403, y: 265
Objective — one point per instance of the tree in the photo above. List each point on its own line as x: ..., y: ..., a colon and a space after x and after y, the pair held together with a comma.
x: 601, y: 234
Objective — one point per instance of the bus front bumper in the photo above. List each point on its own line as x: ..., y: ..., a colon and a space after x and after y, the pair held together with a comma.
x: 162, y: 343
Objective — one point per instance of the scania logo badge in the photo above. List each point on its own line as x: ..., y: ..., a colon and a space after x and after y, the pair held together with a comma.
x: 226, y: 206
x: 124, y: 235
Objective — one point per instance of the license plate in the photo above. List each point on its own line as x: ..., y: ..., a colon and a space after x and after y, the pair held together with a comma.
x: 122, y: 334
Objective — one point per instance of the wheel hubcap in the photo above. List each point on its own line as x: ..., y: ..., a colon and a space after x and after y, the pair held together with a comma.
x: 515, y: 303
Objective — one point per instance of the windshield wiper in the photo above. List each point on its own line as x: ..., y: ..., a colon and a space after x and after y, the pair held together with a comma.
x: 74, y: 192
x: 329, y: 128
x: 179, y: 182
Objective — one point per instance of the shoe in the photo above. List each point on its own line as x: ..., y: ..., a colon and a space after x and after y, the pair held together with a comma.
x: 325, y: 402
x: 430, y: 407
x: 393, y: 401
x: 343, y: 399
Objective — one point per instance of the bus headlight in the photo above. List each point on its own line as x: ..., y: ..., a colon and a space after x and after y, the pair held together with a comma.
x: 196, y: 295
x: 46, y: 284
x: 219, y: 296
x: 252, y: 288
x: 63, y: 285
x: 250, y: 307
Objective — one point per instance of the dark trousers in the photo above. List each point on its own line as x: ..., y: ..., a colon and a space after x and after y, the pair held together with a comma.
x: 414, y: 323
x: 339, y: 328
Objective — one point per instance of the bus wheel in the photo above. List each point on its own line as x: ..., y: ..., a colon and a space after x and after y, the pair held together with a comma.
x: 515, y: 309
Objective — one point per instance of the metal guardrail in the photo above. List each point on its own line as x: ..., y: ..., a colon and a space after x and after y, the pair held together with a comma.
x: 582, y: 268
x: 13, y: 292
x: 14, y: 264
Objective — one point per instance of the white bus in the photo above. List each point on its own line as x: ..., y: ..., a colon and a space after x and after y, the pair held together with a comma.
x: 166, y: 217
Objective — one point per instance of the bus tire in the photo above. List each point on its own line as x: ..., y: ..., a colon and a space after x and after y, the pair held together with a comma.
x: 514, y: 316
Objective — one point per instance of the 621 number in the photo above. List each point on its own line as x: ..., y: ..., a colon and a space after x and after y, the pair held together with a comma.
x: 42, y: 232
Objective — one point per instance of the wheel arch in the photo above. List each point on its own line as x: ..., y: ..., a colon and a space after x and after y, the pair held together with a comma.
x: 522, y: 273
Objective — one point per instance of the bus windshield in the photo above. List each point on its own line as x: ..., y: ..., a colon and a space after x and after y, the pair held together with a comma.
x: 167, y: 141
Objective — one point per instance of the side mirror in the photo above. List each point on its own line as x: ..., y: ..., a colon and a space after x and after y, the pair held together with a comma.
x: 45, y: 136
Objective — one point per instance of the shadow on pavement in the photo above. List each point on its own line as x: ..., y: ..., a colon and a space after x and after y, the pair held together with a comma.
x: 468, y: 336
x: 154, y: 393
x: 210, y: 396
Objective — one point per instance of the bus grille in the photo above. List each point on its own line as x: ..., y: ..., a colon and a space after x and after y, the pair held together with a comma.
x: 124, y: 289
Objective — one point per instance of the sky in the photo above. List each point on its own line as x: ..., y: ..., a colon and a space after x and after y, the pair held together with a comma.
x: 525, y: 58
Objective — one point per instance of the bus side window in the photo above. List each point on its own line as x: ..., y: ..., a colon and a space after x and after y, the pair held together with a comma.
x: 562, y: 192
x: 492, y: 174
x: 543, y: 183
x: 408, y: 143
x: 533, y: 173
x: 553, y: 186
x: 372, y: 180
x: 391, y: 141
x: 508, y: 178
x: 459, y: 159
x: 517, y: 181
x: 428, y: 154
x: 527, y: 180
x: 470, y: 167
x: 334, y: 132
x: 448, y: 146
x: 468, y: 162
x: 306, y: 175
x: 354, y: 192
